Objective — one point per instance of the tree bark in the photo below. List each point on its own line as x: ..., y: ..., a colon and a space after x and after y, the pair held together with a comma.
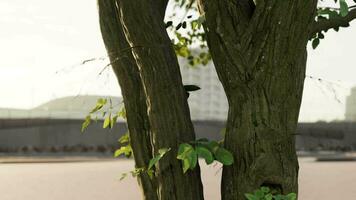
x: 126, y: 70
x: 260, y: 57
x: 167, y: 106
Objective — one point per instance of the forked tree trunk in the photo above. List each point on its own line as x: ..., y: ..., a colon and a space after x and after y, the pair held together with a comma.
x: 259, y: 51
x: 260, y: 57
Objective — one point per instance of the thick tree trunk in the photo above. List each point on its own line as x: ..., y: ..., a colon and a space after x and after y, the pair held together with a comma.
x: 126, y: 70
x: 167, y: 106
x: 260, y: 55
x: 261, y: 132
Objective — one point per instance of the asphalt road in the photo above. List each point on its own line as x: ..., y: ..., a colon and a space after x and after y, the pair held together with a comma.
x: 99, y: 180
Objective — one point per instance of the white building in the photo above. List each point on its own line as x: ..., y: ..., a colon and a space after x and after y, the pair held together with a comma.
x: 350, y: 111
x: 208, y: 103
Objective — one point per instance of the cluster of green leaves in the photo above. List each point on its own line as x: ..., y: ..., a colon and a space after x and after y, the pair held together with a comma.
x: 264, y: 193
x: 150, y: 169
x: 110, y: 118
x: 189, y: 153
x: 109, y: 122
x: 329, y: 14
x: 125, y: 146
x: 188, y: 33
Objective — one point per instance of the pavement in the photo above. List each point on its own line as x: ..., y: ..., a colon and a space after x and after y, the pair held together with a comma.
x: 94, y: 178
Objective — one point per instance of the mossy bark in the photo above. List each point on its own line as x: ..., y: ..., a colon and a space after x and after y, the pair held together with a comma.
x: 126, y: 70
x: 259, y: 51
x: 152, y: 74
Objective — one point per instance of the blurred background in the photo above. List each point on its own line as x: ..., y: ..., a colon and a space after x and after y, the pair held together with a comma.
x: 53, y: 69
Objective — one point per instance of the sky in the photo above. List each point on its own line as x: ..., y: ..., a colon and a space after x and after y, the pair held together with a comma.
x: 43, y: 43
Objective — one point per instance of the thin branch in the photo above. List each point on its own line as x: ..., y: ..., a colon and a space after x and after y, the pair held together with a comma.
x: 327, y: 24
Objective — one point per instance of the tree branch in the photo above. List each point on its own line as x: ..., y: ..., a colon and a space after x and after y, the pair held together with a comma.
x: 327, y: 24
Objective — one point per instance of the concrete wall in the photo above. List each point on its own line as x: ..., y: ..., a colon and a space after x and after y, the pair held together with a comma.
x: 65, y: 135
x: 45, y: 134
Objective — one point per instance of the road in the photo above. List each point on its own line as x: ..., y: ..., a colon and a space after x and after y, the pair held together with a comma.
x: 99, y: 180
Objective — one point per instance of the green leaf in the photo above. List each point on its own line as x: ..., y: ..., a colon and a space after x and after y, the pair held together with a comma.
x: 213, y: 146
x: 194, y: 24
x: 191, y: 88
x: 169, y: 23
x: 190, y: 160
x: 344, y: 8
x: 189, y: 157
x: 137, y: 171
x: 186, y: 165
x: 154, y: 160
x: 203, y: 152
x: 122, y: 113
x: 291, y: 196
x: 278, y: 197
x: 86, y: 123
x: 183, y: 150
x: 265, y: 189
x: 126, y: 150
x: 163, y: 151
x: 125, y: 138
x: 268, y: 197
x: 113, y: 121
x: 99, y: 104
x: 178, y: 26
x: 150, y: 173
x: 193, y: 159
x: 259, y: 194
x: 250, y: 197
x: 107, y: 121
x: 315, y: 43
x: 224, y: 156
x: 184, y: 25
x: 182, y: 51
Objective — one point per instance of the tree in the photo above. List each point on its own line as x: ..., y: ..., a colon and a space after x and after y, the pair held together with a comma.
x: 259, y: 52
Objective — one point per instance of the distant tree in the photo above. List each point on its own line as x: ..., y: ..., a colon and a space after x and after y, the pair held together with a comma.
x: 259, y: 52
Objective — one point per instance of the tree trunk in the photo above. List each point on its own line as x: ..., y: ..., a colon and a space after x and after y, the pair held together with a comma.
x: 260, y: 56
x: 166, y: 99
x: 261, y: 134
x: 126, y: 70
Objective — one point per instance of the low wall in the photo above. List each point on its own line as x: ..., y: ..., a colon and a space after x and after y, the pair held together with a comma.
x: 51, y: 135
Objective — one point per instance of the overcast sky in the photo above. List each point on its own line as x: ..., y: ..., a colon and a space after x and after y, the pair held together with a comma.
x: 42, y: 44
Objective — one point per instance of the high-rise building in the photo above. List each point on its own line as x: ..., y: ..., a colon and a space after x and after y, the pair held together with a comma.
x: 350, y: 111
x: 210, y: 102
